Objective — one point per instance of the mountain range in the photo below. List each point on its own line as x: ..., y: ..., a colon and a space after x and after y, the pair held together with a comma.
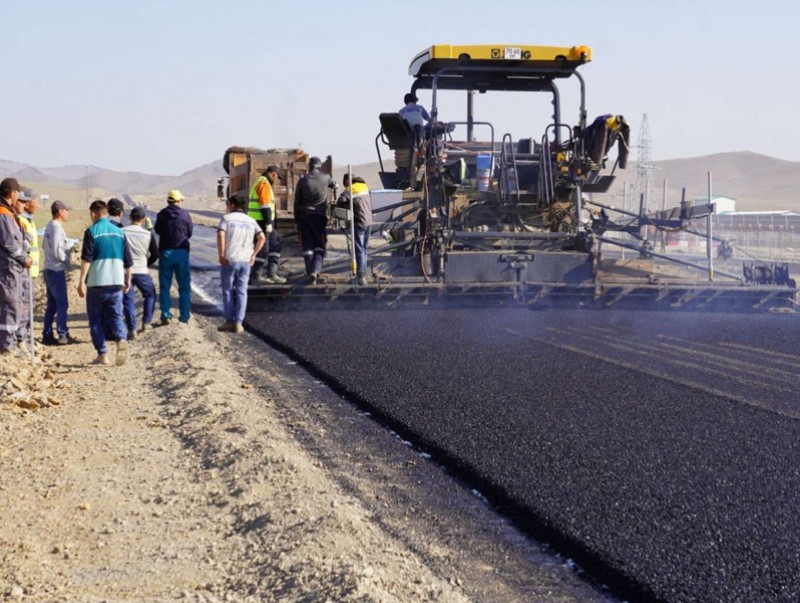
x: 201, y: 181
x: 757, y: 182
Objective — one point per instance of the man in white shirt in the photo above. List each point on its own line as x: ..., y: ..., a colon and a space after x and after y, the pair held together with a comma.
x: 239, y: 239
x: 415, y: 115
x: 144, y: 253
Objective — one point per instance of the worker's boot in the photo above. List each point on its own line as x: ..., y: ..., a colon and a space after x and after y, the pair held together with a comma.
x: 259, y: 274
x: 308, y: 258
x: 317, y: 261
x: 272, y: 274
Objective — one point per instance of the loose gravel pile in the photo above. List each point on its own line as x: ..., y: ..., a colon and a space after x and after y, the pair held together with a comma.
x: 659, y: 450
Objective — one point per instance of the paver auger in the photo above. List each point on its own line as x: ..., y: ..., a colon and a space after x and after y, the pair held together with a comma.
x: 494, y: 217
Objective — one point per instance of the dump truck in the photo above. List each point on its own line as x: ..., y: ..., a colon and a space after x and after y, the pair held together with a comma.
x: 487, y: 215
x: 245, y: 164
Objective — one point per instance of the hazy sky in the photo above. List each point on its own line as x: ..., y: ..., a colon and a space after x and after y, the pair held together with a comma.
x: 165, y: 86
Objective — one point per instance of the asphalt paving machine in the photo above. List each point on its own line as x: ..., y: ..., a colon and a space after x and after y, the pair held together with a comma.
x: 490, y: 216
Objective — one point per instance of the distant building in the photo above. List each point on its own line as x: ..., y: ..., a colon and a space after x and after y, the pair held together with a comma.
x: 722, y: 204
x: 786, y: 220
x: 775, y: 230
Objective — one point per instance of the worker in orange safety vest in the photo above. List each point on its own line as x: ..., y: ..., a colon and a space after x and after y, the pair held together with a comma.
x: 261, y: 207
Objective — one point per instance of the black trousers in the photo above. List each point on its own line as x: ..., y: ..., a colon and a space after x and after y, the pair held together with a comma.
x: 271, y: 251
x: 313, y: 240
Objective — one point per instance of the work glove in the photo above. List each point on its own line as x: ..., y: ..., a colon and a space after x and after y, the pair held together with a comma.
x: 268, y: 228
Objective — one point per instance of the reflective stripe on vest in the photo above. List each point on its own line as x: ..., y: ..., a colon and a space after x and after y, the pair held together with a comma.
x: 253, y: 205
x: 33, y: 251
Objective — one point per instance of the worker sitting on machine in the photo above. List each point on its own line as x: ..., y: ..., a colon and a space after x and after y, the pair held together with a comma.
x: 416, y: 116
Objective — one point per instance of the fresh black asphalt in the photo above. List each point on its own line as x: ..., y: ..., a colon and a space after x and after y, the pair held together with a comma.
x: 661, y: 451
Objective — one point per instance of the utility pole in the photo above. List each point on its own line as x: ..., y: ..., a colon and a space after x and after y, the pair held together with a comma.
x: 644, y: 165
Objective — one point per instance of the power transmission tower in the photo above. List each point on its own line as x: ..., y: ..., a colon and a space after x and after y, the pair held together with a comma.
x: 644, y: 167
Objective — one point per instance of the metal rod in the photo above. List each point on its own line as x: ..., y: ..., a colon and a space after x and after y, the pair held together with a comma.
x: 512, y: 235
x: 397, y: 219
x: 647, y: 220
x: 578, y: 209
x: 30, y: 318
x: 352, y: 223
x: 709, y: 234
x: 641, y: 215
x: 664, y: 209
x: 666, y: 257
x: 470, y: 116
x: 624, y: 209
x: 612, y: 208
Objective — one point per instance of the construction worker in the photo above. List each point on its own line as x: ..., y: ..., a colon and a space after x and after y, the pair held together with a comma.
x: 105, y: 277
x: 56, y: 264
x: 239, y: 239
x: 27, y: 203
x: 261, y: 207
x: 116, y: 209
x: 14, y: 260
x: 311, y: 217
x: 174, y: 229
x: 362, y: 217
x: 415, y: 115
x: 144, y: 252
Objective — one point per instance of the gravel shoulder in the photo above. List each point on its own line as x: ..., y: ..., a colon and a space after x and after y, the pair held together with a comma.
x: 211, y: 468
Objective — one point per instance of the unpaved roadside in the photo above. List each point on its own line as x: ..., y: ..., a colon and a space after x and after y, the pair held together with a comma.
x: 211, y: 468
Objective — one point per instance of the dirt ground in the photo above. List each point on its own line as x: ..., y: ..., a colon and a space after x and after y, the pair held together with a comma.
x: 211, y: 468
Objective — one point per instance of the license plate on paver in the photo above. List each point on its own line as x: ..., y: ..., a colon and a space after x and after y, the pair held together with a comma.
x: 514, y: 54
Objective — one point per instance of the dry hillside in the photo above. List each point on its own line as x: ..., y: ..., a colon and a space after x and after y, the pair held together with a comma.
x: 756, y: 181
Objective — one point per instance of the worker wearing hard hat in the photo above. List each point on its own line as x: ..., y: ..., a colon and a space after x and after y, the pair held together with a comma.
x: 174, y: 229
x: 261, y: 207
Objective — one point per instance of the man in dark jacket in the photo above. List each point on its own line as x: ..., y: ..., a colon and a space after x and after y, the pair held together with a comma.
x: 174, y: 229
x: 362, y: 213
x: 311, y: 216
